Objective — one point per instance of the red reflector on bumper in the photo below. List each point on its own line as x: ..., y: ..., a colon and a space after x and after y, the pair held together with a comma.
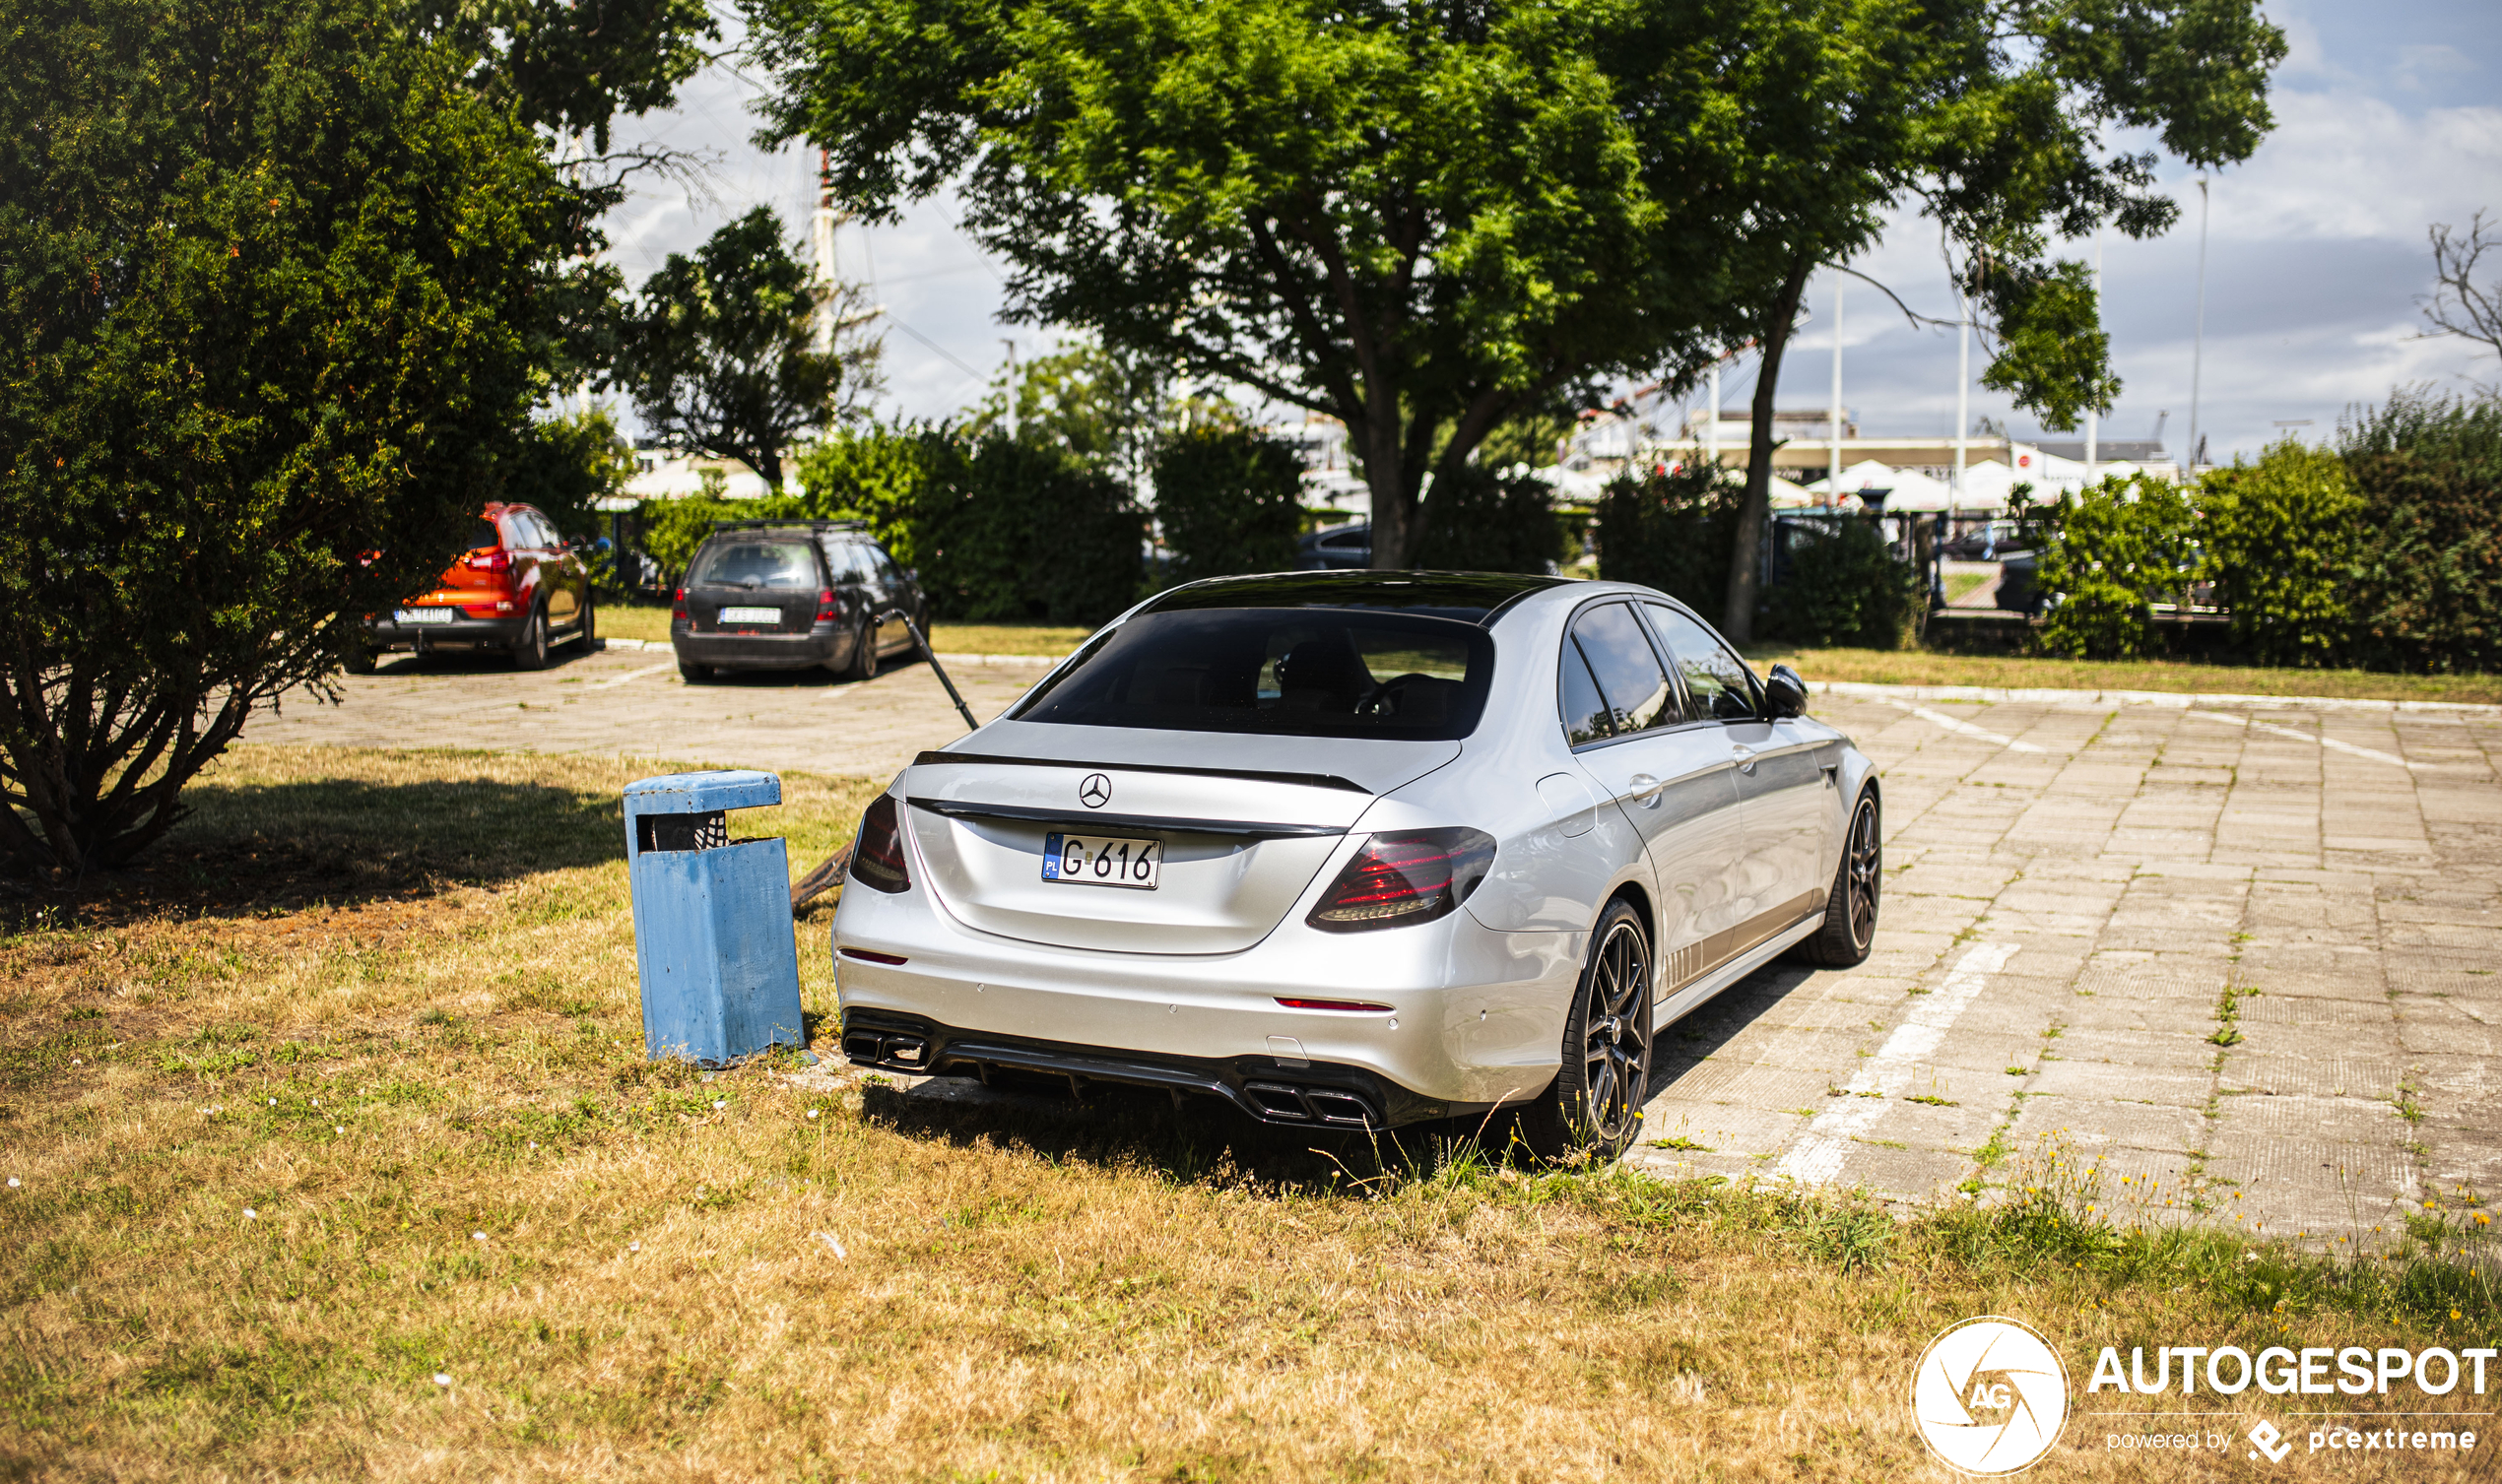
x: 1357, y: 1005
x: 864, y: 956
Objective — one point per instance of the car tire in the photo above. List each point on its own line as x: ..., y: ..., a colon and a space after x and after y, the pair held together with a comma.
x: 693, y: 674
x: 864, y: 655
x: 1593, y: 1109
x: 530, y: 651
x: 587, y: 630
x: 1849, y: 929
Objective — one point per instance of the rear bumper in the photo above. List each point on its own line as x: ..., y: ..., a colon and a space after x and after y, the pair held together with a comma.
x: 390, y: 633
x: 823, y: 644
x: 1471, y: 1017
x: 1317, y: 1095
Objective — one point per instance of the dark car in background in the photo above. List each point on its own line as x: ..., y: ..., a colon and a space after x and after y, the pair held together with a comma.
x: 517, y: 588
x: 792, y: 594
x: 1335, y: 547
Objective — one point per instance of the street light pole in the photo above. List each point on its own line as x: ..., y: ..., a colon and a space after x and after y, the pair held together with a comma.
x: 2093, y: 420
x: 1962, y: 387
x: 1833, y: 475
x: 1711, y: 420
x: 2198, y: 346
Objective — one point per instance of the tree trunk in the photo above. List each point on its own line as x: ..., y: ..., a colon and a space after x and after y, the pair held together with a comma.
x: 1755, y: 510
x: 1393, y: 507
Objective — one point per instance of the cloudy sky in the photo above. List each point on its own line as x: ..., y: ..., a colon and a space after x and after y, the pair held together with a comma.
x: 2389, y: 117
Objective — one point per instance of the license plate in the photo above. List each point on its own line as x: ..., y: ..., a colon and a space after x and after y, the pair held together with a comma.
x: 1102, y: 860
x: 750, y: 616
x: 425, y: 615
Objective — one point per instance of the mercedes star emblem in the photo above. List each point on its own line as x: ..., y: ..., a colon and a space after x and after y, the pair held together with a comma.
x: 1095, y: 792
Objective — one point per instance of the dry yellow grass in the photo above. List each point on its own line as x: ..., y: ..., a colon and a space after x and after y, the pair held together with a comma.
x: 384, y: 1003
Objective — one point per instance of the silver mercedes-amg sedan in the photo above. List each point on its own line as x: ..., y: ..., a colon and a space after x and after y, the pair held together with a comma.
x: 1356, y: 850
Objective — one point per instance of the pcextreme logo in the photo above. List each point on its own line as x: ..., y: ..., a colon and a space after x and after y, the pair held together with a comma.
x: 1990, y: 1397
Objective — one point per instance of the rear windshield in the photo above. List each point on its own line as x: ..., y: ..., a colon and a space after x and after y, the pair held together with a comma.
x: 482, y: 533
x: 776, y: 565
x: 1295, y: 671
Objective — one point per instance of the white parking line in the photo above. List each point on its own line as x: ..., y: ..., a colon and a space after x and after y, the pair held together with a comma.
x: 1827, y: 1142
x: 632, y: 675
x: 1952, y: 724
x: 2298, y: 735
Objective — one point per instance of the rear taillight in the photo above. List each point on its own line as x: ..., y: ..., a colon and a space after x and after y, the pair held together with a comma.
x: 489, y: 561
x: 877, y: 858
x: 825, y: 610
x: 1412, y: 875
x: 679, y: 610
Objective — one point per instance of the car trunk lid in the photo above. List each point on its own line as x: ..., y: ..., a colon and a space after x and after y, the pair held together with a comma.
x: 1244, y: 823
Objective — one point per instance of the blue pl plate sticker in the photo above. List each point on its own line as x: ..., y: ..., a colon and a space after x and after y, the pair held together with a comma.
x: 1051, y: 858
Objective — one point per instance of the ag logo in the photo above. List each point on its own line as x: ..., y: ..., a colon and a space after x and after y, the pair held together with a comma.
x: 1991, y: 1396
x: 1095, y: 792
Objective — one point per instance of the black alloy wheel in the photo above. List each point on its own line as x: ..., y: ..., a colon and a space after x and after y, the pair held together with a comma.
x: 1849, y: 929
x: 1593, y: 1108
x: 530, y: 651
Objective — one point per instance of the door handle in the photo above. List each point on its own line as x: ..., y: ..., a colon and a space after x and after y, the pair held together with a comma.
x: 1745, y: 756
x: 1645, y: 788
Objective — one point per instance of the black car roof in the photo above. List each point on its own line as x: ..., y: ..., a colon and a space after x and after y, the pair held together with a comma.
x: 1469, y: 596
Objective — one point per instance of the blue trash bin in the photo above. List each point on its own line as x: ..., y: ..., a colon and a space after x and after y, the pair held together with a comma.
x: 713, y: 920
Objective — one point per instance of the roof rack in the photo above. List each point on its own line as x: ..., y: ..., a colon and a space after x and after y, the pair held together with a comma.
x: 813, y: 525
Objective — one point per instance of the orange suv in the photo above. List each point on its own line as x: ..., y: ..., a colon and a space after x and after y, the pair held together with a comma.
x: 517, y: 587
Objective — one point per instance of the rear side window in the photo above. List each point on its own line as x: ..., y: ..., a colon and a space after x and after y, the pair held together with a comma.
x: 774, y: 565
x: 1298, y: 671
x: 1634, y: 689
x: 1585, y: 711
x: 1718, y: 684
x: 849, y: 561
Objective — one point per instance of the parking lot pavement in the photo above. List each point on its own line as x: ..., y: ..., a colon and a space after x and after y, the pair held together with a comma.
x: 2240, y: 955
x: 632, y: 703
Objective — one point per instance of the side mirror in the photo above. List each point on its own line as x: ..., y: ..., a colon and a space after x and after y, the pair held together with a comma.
x: 1785, y: 694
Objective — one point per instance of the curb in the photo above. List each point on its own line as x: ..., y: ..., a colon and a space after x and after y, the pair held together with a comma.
x: 1995, y: 696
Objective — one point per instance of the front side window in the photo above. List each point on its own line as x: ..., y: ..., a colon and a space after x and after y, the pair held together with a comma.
x: 1300, y: 672
x: 1718, y: 684
x: 1634, y: 689
x: 774, y: 565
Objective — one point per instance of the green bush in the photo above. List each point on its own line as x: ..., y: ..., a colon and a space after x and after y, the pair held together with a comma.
x: 2428, y: 580
x: 1671, y: 531
x: 1022, y: 532
x: 1230, y: 500
x: 1844, y: 586
x: 2113, y: 551
x: 1480, y: 521
x: 673, y: 529
x: 2281, y: 551
x: 876, y: 474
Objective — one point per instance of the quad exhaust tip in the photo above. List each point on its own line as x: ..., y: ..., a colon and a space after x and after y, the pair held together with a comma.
x: 870, y: 1046
x: 1327, y: 1106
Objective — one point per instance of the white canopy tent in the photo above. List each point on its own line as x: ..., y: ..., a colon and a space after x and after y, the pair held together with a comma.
x: 1909, y: 488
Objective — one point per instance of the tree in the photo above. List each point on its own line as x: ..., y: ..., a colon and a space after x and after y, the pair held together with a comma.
x: 1420, y: 219
x: 2004, y: 147
x: 563, y: 466
x: 723, y: 355
x: 2459, y: 305
x: 274, y: 280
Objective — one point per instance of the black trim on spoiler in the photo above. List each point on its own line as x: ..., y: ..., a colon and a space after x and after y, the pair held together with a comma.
x: 1307, y: 780
x: 1094, y: 823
